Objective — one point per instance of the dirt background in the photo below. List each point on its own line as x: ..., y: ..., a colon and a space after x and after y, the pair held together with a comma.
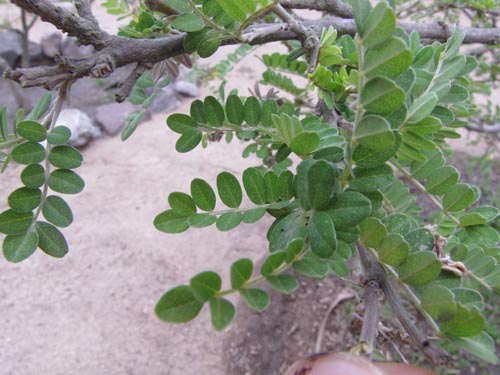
x: 92, y: 311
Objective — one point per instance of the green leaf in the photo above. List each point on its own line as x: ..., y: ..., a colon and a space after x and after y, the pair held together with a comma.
x: 466, y: 323
x: 18, y: 247
x: 469, y: 298
x: 203, y: 194
x: 181, y: 203
x: 372, y: 232
x: 439, y: 302
x: 481, y: 345
x: 272, y: 263
x: 188, y: 141
x: 24, y: 199
x: 458, y: 198
x: 422, y: 107
x: 479, y: 215
x: 213, y: 111
x: 417, y: 141
x: 57, y: 211
x: 349, y: 209
x: 428, y: 125
x: 66, y: 157
x: 241, y: 271
x: 31, y: 130
x: 28, y: 153
x: 304, y: 143
x: 389, y: 59
x: 4, y: 126
x: 423, y: 169
x: 59, y: 135
x: 229, y: 190
x: 322, y: 234
x: 361, y: 10
x: 201, y: 220
x: 283, y: 283
x: 222, y: 313
x: 382, y: 96
x: 254, y: 185
x: 178, y: 305
x: 320, y: 184
x: 234, y: 9
x: 420, y: 268
x: 234, y: 109
x: 442, y: 180
x: 452, y: 68
x: 253, y: 215
x: 66, y: 181
x: 286, y: 183
x: 180, y: 6
x: 483, y: 234
x: 210, y: 44
x: 138, y: 96
x: 50, y: 240
x: 41, y: 107
x: 252, y: 111
x: 311, y: 267
x: 371, y: 179
x: 379, y: 26
x: 12, y: 222
x: 273, y: 187
x: 205, y: 285
x: 393, y: 250
x: 181, y: 123
x: 188, y: 22
x: 256, y: 299
x: 374, y: 132
x: 228, y: 221
x: 171, y: 222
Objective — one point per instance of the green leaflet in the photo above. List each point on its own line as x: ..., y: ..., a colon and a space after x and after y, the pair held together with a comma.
x: 419, y: 268
x: 188, y: 141
x: 379, y: 25
x: 466, y: 323
x: 389, y: 59
x: 18, y: 247
x: 181, y: 203
x: 381, y: 95
x: 234, y: 110
x: 201, y: 220
x: 256, y: 299
x: 189, y: 22
x: 222, y: 313
x: 439, y: 302
x: 203, y: 194
x: 422, y: 107
x: 305, y: 143
x: 178, y: 305
x: 66, y: 181
x: 205, y: 285
x: 241, y: 271
x: 50, y: 240
x: 320, y: 184
x: 171, y: 222
x: 481, y: 345
x: 312, y: 267
x: 28, y: 153
x: 349, y: 209
x: 254, y: 185
x: 12, y: 222
x: 228, y: 221
x: 458, y: 197
x: 31, y: 131
x: 372, y: 232
x: 371, y: 179
x: 229, y: 190
x: 322, y: 235
x: 24, y: 199
x: 272, y: 263
x: 66, y: 157
x: 213, y: 111
x: 283, y: 283
x: 57, y: 211
x: 374, y: 132
x: 393, y: 250
x: 181, y: 123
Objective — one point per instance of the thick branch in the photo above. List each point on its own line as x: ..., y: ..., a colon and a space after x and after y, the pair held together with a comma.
x: 334, y: 7
x: 85, y: 29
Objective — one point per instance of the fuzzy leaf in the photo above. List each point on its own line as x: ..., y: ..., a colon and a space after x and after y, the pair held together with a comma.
x: 178, y: 305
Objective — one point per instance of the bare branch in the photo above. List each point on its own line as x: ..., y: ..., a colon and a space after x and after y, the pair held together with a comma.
x: 334, y: 7
x: 484, y: 128
x: 86, y: 30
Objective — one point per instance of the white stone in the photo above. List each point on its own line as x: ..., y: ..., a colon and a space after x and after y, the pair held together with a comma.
x: 83, y: 128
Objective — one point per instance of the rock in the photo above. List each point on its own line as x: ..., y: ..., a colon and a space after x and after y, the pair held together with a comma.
x: 51, y: 44
x: 10, y: 47
x: 83, y: 128
x: 187, y: 88
x: 112, y: 116
x: 70, y: 48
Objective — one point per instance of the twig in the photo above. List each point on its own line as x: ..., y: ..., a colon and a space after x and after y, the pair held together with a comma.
x: 334, y: 7
x: 345, y: 294
x: 371, y: 316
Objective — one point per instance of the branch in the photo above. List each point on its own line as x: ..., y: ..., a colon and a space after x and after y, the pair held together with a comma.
x: 484, y: 128
x: 334, y: 7
x: 86, y: 29
x: 375, y: 272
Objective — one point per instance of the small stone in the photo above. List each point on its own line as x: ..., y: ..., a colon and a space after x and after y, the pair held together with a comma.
x: 111, y: 116
x: 10, y: 47
x: 83, y: 128
x: 166, y: 100
x: 187, y: 88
